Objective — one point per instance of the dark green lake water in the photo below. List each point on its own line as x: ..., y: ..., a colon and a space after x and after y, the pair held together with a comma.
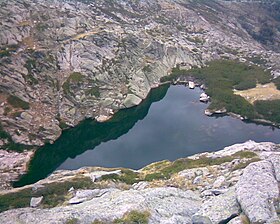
x: 169, y: 124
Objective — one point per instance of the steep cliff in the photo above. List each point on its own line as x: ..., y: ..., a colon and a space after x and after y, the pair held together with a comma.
x: 64, y: 61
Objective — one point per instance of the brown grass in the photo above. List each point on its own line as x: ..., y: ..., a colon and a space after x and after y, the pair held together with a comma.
x: 261, y: 92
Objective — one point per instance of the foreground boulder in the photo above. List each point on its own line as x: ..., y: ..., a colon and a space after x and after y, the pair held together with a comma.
x: 236, y: 185
x: 219, y: 209
x: 257, y: 192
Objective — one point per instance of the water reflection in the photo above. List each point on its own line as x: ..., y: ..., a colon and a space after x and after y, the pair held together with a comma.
x: 173, y: 127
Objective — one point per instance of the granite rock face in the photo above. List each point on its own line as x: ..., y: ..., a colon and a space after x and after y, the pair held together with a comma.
x: 71, y: 60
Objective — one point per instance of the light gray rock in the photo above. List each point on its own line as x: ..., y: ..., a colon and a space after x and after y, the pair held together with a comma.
x: 85, y: 195
x: 166, y: 205
x: 141, y: 185
x: 197, y: 180
x: 275, y: 160
x: 98, y: 174
x: 256, y: 191
x: 37, y: 187
x: 219, y: 182
x: 218, y: 209
x: 36, y: 201
x: 192, y: 173
x: 131, y: 100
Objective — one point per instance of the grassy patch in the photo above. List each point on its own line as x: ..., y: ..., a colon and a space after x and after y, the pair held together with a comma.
x: 244, y: 164
x: 72, y: 221
x: 221, y: 77
x: 134, y: 217
x: 16, y: 102
x: 245, y: 154
x: 15, y: 200
x: 94, y: 91
x: 186, y: 163
x: 127, y: 176
x: 54, y: 194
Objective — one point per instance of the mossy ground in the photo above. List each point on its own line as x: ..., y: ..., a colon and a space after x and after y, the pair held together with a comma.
x: 54, y: 194
x: 16, y: 102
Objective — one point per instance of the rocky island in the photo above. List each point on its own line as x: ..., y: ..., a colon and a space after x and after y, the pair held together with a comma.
x: 64, y: 61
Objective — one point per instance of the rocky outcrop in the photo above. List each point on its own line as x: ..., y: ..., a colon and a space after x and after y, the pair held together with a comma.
x: 166, y: 205
x: 236, y: 187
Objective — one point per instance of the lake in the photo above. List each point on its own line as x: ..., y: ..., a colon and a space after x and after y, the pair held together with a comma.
x: 169, y: 124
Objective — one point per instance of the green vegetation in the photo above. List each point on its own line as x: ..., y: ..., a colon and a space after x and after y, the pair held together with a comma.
x: 4, y: 53
x: 72, y: 221
x: 54, y: 194
x: 94, y: 91
x: 15, y: 200
x: 74, y: 77
x: 147, y: 68
x: 269, y: 110
x: 16, y: 102
x: 186, y: 163
x: 98, y: 222
x: 221, y: 77
x: 244, y: 164
x: 11, y: 145
x: 41, y: 27
x: 166, y: 169
x: 30, y: 65
x: 134, y: 217
x: 127, y: 176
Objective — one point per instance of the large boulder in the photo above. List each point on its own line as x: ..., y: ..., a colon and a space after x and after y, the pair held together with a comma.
x: 131, y: 100
x: 257, y: 190
x: 218, y: 209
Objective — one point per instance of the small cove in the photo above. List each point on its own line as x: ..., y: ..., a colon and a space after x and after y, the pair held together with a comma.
x: 169, y: 124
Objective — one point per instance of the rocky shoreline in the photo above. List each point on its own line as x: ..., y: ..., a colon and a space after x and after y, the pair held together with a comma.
x: 239, y: 184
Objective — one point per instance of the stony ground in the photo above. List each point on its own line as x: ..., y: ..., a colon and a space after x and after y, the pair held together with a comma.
x: 240, y: 184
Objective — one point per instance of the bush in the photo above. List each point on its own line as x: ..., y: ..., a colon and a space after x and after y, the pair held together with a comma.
x: 269, y: 110
x: 134, y: 217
